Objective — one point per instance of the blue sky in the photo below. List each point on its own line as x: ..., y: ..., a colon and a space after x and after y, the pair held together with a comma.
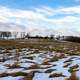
x: 42, y: 17
x: 23, y: 4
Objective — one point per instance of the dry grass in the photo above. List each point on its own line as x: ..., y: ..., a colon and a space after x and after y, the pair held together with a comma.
x: 12, y: 66
x: 66, y: 65
x: 35, y: 66
x: 27, y: 79
x: 64, y: 47
x: 46, y: 63
x: 73, y: 77
x: 50, y: 70
x: 69, y: 60
x: 14, y: 74
x: 57, y: 75
x: 73, y: 68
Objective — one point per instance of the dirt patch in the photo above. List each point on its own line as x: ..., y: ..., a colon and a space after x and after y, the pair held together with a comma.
x: 73, y: 68
x: 69, y: 60
x: 12, y: 66
x: 73, y: 77
x: 66, y: 65
x: 50, y: 70
x: 57, y: 75
x: 35, y: 66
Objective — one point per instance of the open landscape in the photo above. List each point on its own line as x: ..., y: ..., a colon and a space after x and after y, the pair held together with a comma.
x: 39, y: 39
x: 39, y: 60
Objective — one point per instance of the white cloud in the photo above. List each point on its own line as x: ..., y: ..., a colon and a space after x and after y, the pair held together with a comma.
x: 40, y: 20
x: 71, y: 10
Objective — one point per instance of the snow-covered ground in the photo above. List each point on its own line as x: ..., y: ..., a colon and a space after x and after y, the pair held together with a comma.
x: 37, y: 65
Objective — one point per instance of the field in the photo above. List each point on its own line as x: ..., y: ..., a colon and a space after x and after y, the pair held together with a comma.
x: 39, y: 60
x: 42, y: 44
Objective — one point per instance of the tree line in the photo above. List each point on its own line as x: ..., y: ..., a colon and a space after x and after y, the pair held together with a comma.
x: 24, y: 35
x: 72, y: 39
x: 21, y: 35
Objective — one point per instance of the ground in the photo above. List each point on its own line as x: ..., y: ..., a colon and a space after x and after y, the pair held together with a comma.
x: 39, y: 60
x: 42, y: 44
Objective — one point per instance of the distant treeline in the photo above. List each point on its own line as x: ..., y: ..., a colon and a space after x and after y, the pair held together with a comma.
x: 25, y: 35
x: 5, y: 34
x: 72, y: 39
x: 21, y: 35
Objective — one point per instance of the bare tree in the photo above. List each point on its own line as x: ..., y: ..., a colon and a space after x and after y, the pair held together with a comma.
x: 0, y: 35
x: 58, y: 37
x: 28, y: 35
x: 23, y: 34
x: 51, y: 36
x: 4, y: 35
x: 15, y: 34
x: 8, y: 34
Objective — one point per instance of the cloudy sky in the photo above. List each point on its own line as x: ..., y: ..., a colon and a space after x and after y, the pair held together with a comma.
x: 41, y: 17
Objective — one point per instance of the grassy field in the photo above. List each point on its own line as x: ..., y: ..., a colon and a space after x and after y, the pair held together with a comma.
x: 49, y: 45
x: 54, y: 59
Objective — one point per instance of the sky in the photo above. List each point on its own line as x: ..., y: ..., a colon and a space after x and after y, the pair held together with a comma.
x: 41, y: 17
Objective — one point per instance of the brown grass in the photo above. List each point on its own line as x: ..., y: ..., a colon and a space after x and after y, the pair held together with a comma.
x: 27, y: 79
x: 12, y: 66
x: 35, y: 66
x: 45, y: 63
x: 73, y: 76
x: 57, y: 75
x: 73, y: 68
x: 64, y: 47
x: 67, y: 64
x: 50, y: 70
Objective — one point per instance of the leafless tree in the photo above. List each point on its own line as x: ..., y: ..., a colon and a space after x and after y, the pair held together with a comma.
x: 51, y: 36
x: 5, y: 34
x: 28, y: 35
x: 15, y: 34
x: 23, y: 34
